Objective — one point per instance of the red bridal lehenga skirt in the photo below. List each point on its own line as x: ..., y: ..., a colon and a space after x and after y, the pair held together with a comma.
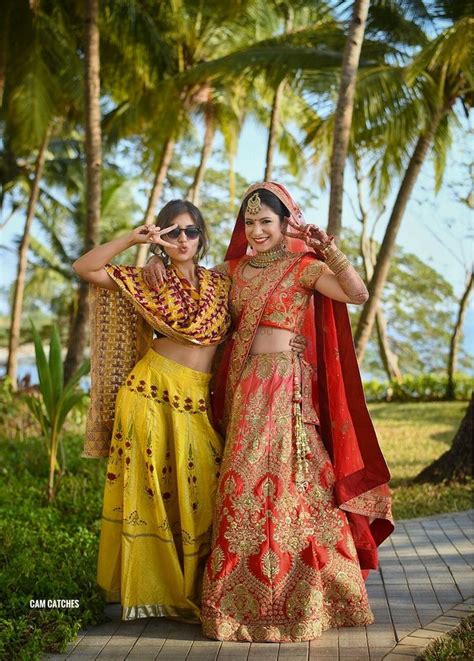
x: 159, y: 495
x: 283, y: 566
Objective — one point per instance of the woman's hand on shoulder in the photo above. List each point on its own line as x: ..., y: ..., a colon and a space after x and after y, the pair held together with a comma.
x: 154, y: 273
x: 222, y: 268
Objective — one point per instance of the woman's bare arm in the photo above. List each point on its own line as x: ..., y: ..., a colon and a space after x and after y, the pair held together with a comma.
x: 90, y: 266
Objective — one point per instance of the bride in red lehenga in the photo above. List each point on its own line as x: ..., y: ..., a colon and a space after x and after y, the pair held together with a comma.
x: 302, y: 500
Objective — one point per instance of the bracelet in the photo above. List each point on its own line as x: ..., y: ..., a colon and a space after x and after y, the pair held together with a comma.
x: 326, y: 249
x: 337, y: 262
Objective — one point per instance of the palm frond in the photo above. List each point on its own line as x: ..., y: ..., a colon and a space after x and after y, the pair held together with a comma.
x: 451, y: 50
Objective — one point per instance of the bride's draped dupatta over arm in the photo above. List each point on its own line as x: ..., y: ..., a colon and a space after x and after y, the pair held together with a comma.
x: 346, y: 428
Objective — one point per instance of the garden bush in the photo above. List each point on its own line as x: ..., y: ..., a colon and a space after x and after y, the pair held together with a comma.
x: 16, y: 420
x: 418, y: 388
x: 48, y: 551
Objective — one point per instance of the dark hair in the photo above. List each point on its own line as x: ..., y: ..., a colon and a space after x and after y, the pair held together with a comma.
x: 270, y: 200
x: 166, y: 217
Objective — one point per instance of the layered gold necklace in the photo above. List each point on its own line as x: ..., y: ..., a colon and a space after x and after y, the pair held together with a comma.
x: 263, y: 259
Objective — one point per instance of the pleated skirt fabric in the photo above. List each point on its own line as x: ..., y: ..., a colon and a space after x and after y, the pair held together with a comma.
x: 160, y: 491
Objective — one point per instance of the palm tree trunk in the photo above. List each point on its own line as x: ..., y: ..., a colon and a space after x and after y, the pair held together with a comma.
x: 367, y: 251
x: 194, y: 189
x: 77, y: 338
x: 388, y: 358
x: 455, y: 337
x: 273, y: 130
x: 14, y: 338
x: 343, y: 118
x: 382, y: 266
x: 155, y: 194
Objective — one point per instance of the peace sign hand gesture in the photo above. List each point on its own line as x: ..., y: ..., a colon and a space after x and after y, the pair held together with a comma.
x: 312, y: 235
x: 151, y: 234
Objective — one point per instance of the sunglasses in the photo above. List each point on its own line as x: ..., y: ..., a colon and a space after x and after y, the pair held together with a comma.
x: 191, y: 232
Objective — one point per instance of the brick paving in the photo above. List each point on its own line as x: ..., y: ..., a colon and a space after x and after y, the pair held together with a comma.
x: 424, y: 587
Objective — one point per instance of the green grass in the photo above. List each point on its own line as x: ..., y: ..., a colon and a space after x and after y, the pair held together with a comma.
x: 456, y: 646
x: 411, y: 437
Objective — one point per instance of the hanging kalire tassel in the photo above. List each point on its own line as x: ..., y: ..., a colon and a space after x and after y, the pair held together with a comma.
x: 301, y: 437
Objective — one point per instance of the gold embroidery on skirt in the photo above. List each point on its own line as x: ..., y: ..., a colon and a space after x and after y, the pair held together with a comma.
x: 283, y: 565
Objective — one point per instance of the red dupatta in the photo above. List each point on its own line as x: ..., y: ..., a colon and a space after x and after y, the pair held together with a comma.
x: 346, y: 428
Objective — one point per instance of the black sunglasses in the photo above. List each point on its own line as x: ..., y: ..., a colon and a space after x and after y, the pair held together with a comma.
x: 191, y: 232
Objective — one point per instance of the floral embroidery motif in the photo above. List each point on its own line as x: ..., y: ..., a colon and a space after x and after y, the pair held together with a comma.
x: 217, y: 560
x: 240, y: 601
x: 305, y: 601
x: 270, y: 565
x: 172, y: 310
x: 286, y: 306
x: 311, y: 274
x: 134, y: 520
x: 248, y: 544
x: 179, y: 404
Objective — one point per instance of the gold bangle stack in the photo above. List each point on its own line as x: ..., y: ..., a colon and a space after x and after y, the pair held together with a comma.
x: 337, y: 262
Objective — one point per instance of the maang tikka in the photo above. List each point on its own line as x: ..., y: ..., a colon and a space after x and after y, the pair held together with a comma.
x: 254, y: 205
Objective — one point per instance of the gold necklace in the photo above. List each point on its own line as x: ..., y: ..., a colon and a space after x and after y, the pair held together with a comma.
x: 263, y: 259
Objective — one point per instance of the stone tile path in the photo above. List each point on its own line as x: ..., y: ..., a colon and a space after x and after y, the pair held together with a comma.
x: 422, y: 590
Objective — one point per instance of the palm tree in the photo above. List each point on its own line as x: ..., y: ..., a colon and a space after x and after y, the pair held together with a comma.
x: 158, y: 109
x: 401, y: 110
x: 223, y: 111
x: 369, y: 257
x: 456, y: 335
x: 76, y: 346
x: 61, y: 219
x: 19, y: 288
x: 36, y: 92
x: 443, y: 68
x: 344, y: 109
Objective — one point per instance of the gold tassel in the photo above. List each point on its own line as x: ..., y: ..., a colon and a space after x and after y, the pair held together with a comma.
x: 302, y: 448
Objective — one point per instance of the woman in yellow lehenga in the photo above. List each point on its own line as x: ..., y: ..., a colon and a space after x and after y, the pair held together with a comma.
x: 164, y: 454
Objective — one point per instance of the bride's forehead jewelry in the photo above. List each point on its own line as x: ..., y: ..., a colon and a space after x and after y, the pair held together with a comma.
x: 254, y: 205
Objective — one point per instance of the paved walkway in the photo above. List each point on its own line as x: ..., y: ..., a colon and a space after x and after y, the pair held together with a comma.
x: 423, y: 588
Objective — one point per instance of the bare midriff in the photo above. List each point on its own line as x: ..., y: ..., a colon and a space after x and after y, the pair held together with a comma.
x: 195, y: 357
x: 271, y: 340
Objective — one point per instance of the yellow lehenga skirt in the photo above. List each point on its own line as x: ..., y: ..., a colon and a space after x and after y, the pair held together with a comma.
x: 160, y: 490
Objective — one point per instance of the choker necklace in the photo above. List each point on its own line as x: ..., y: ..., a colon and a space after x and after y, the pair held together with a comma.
x: 263, y: 259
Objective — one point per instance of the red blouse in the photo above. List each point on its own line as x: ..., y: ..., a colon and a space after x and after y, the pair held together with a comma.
x: 287, y: 306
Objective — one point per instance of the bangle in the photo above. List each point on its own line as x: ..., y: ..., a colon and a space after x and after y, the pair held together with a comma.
x: 337, y: 262
x: 327, y: 248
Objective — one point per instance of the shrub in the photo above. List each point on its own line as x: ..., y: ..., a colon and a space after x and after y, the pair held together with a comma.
x: 418, y: 388
x: 458, y: 644
x: 48, y: 551
x: 16, y: 421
